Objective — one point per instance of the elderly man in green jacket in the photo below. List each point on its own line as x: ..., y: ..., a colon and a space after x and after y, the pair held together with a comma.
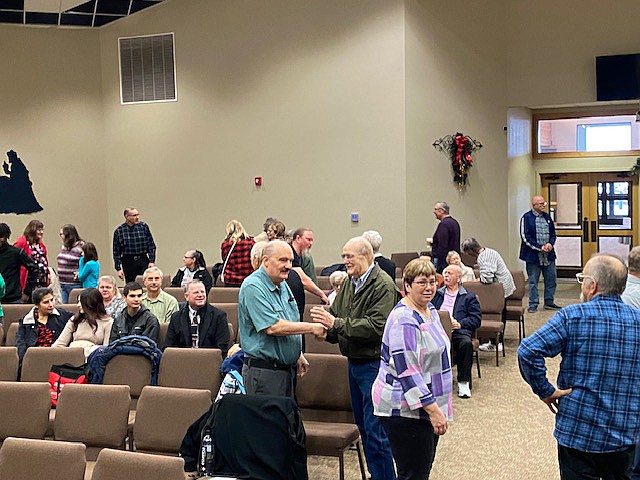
x: 356, y: 321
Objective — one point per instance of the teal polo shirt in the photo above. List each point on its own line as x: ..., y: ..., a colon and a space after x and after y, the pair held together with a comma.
x: 260, y: 305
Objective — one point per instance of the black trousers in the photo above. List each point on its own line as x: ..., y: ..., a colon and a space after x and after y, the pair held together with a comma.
x: 463, y: 347
x: 413, y: 445
x: 577, y: 465
x: 134, y: 265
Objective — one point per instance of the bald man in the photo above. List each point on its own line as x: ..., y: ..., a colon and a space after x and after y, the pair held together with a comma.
x: 538, y: 235
x: 356, y: 321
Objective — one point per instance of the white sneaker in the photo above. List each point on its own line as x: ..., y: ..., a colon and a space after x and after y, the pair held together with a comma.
x: 463, y: 390
x: 490, y: 347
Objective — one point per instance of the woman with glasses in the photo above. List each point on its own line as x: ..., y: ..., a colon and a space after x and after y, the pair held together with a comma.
x: 195, y: 268
x: 412, y: 393
x: 69, y: 260
x: 111, y: 297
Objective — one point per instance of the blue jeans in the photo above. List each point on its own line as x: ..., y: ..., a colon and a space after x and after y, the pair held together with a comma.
x: 377, y: 449
x: 549, y: 274
x: 65, y: 290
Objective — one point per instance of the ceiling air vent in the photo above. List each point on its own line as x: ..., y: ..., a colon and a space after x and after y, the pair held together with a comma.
x: 147, y: 69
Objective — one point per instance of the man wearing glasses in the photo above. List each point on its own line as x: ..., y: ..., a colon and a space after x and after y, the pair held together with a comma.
x: 356, y: 321
x: 597, y: 397
x: 538, y: 235
x: 133, y: 247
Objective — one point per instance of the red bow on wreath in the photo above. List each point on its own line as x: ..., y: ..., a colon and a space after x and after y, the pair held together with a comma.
x: 458, y: 148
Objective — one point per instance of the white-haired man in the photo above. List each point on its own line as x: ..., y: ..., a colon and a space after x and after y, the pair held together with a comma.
x: 387, y: 265
x: 161, y: 304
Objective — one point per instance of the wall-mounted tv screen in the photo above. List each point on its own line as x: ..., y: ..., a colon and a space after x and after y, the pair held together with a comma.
x: 618, y: 77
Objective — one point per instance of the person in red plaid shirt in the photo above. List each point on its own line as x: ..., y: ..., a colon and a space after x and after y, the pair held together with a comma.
x: 235, y: 252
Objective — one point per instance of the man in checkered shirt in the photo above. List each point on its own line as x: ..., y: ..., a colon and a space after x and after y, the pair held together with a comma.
x: 597, y: 398
x: 133, y: 247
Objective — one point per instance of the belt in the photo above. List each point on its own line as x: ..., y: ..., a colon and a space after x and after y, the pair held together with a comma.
x: 134, y: 257
x: 268, y: 364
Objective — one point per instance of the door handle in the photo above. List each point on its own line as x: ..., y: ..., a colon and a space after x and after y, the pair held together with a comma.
x: 593, y: 230
x: 585, y: 230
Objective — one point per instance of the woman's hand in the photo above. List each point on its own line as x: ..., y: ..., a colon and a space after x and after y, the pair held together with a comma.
x: 437, y: 419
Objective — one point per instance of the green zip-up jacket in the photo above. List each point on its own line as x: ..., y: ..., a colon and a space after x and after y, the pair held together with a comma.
x: 361, y: 317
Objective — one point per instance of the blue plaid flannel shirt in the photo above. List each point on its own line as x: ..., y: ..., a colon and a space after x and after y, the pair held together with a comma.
x: 599, y: 342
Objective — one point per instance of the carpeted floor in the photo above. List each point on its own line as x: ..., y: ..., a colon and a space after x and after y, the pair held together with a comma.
x: 503, y: 432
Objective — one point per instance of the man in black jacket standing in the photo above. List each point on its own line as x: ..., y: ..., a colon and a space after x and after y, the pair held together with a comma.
x: 11, y: 259
x: 198, y: 324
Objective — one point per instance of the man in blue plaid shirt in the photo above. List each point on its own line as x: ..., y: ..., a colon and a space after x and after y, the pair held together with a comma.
x: 597, y: 398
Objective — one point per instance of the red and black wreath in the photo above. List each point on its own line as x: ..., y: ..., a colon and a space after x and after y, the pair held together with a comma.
x: 458, y: 148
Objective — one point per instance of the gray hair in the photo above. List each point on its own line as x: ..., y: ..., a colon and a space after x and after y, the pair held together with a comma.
x: 374, y: 238
x: 444, y: 206
x: 272, y: 247
x: 362, y: 246
x: 337, y: 277
x: 257, y: 251
x: 471, y: 246
x: 151, y: 270
x: 192, y: 282
x: 112, y: 280
x: 609, y: 272
x: 457, y: 268
x: 634, y: 260
x: 451, y: 254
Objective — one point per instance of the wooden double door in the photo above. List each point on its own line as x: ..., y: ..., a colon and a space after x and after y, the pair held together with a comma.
x: 592, y: 212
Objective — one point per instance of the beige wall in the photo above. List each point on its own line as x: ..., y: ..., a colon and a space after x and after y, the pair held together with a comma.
x: 455, y: 82
x: 52, y: 116
x: 308, y: 95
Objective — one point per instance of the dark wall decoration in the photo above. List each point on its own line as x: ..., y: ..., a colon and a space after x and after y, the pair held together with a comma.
x: 16, y: 192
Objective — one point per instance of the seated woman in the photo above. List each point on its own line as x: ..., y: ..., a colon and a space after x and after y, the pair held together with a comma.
x: 43, y: 324
x: 412, y: 392
x: 453, y: 258
x: 89, y: 268
x: 91, y: 327
x: 235, y: 252
x: 195, y: 268
x: 111, y: 298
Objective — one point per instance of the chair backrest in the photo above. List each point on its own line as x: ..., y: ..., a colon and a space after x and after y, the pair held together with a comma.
x: 231, y: 309
x: 8, y: 364
x: 311, y: 344
x: 74, y: 294
x: 224, y: 295
x: 37, y: 361
x: 232, y: 334
x: 131, y: 370
x: 402, y: 258
x: 10, y: 339
x: 518, y: 293
x: 26, y: 459
x: 96, y: 415
x: 319, y: 269
x: 197, y: 368
x: 13, y: 313
x: 490, y: 295
x: 162, y: 334
x: 175, y: 292
x: 324, y: 283
x: 323, y: 393
x: 119, y: 464
x: 25, y: 411
x: 71, y: 307
x: 163, y: 416
x: 445, y: 320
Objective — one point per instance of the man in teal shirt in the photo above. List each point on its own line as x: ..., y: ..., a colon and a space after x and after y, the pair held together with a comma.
x: 270, y: 326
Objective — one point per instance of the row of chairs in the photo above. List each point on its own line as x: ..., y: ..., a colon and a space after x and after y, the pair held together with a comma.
x: 103, y: 416
x: 26, y: 459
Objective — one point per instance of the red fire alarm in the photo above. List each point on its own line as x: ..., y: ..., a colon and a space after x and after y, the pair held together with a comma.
x: 257, y: 181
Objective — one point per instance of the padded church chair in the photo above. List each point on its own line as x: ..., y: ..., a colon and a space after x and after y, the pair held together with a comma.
x: 175, y: 292
x: 37, y: 361
x: 131, y: 370
x: 224, y: 295
x: 515, y: 309
x: 8, y: 364
x: 162, y: 334
x: 119, y: 464
x: 445, y: 320
x: 10, y: 339
x: 13, y: 313
x: 26, y: 459
x: 95, y: 415
x: 26, y: 409
x: 325, y: 402
x: 311, y: 344
x: 324, y: 283
x: 197, y: 368
x: 491, y: 298
x: 163, y: 416
x: 312, y: 299
x: 74, y: 295
x: 231, y: 309
x: 402, y: 258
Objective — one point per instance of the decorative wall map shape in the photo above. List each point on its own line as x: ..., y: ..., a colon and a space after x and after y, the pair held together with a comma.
x: 16, y: 192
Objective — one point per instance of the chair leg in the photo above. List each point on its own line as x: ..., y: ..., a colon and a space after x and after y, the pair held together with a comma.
x: 341, y: 459
x: 523, y: 332
x: 361, y: 460
x: 478, y: 364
